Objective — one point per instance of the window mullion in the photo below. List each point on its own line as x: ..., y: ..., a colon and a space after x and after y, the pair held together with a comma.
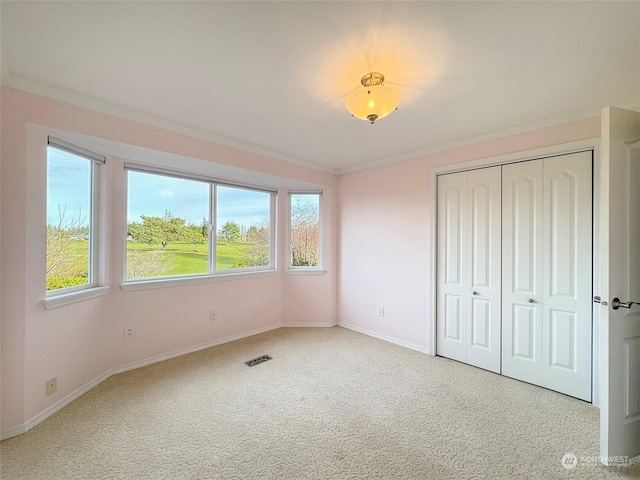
x: 273, y: 243
x: 213, y: 246
x: 93, y: 227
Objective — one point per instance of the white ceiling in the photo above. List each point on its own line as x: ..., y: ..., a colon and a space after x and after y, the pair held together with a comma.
x: 271, y: 77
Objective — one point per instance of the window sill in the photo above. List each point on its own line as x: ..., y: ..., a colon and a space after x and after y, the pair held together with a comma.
x: 56, y: 301
x: 305, y: 271
x: 181, y: 282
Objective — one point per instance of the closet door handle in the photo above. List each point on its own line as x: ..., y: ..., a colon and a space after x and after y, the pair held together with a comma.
x: 476, y: 293
x: 531, y: 300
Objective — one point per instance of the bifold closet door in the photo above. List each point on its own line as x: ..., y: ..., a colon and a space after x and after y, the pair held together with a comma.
x: 567, y: 272
x: 522, y: 271
x: 468, y: 313
x: 547, y: 273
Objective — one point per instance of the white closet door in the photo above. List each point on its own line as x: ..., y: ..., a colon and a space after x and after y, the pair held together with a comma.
x: 567, y: 274
x: 468, y: 314
x: 451, y: 266
x: 521, y: 271
x: 547, y: 273
x: 483, y: 267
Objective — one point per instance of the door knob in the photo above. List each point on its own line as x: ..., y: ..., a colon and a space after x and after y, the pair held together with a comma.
x: 476, y: 293
x: 616, y: 304
x: 531, y: 300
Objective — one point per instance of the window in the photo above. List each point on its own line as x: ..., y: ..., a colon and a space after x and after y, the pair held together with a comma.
x: 243, y: 221
x: 71, y: 213
x: 304, y: 231
x: 182, y: 225
x: 167, y: 226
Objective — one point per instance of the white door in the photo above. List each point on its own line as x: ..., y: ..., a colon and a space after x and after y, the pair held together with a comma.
x: 484, y: 199
x: 619, y: 346
x: 451, y: 266
x: 567, y: 274
x: 521, y: 271
x: 468, y: 313
x: 547, y: 273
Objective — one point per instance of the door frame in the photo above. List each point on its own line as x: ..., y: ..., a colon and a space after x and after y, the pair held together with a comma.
x: 592, y: 144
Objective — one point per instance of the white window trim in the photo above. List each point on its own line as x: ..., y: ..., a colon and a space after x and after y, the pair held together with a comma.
x: 150, y: 283
x: 142, y: 168
x: 299, y: 270
x: 305, y: 271
x: 67, y: 298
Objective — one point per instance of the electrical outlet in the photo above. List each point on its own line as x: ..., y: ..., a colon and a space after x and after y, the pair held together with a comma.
x: 212, y: 315
x: 380, y: 311
x: 129, y: 332
x: 273, y: 303
x: 51, y: 386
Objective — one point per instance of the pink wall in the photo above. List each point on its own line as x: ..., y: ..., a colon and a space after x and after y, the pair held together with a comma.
x: 83, y: 341
x: 14, y: 194
x: 303, y: 291
x: 385, y: 234
x: 0, y: 262
x: 376, y: 247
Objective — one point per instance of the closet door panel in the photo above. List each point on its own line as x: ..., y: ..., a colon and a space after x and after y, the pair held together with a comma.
x: 567, y: 265
x: 484, y: 197
x: 523, y: 333
x: 452, y: 262
x: 522, y: 191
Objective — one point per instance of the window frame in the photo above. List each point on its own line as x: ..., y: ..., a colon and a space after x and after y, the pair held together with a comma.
x: 297, y: 269
x: 213, y: 274
x: 63, y: 296
x: 273, y: 193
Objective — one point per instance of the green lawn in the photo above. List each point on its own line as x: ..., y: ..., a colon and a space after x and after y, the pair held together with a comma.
x: 228, y: 255
x: 186, y: 260
x: 180, y: 258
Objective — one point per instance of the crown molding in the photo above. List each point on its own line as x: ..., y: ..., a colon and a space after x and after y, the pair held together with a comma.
x: 630, y: 103
x: 61, y: 95
x: 104, y: 107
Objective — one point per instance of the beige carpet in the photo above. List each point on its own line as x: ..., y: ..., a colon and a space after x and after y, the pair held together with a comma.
x: 332, y: 404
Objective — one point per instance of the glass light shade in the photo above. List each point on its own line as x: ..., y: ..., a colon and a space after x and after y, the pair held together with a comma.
x: 373, y: 102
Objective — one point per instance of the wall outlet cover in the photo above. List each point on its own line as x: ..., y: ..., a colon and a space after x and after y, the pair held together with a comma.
x: 51, y: 386
x: 129, y: 332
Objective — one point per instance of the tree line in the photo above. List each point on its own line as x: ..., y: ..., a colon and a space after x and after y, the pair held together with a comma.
x: 68, y: 266
x: 167, y: 229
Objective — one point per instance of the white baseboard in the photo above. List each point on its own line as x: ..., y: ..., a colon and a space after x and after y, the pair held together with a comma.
x: 386, y: 338
x: 66, y: 401
x: 303, y: 325
x: 185, y: 351
x: 13, y: 431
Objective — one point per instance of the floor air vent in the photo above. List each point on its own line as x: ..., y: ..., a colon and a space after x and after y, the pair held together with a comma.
x: 257, y: 361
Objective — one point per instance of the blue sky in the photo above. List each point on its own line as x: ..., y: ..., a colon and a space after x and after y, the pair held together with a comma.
x: 68, y: 195
x: 148, y: 194
x: 155, y: 194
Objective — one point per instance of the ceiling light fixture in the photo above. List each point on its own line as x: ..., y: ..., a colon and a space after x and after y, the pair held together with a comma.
x: 375, y: 100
